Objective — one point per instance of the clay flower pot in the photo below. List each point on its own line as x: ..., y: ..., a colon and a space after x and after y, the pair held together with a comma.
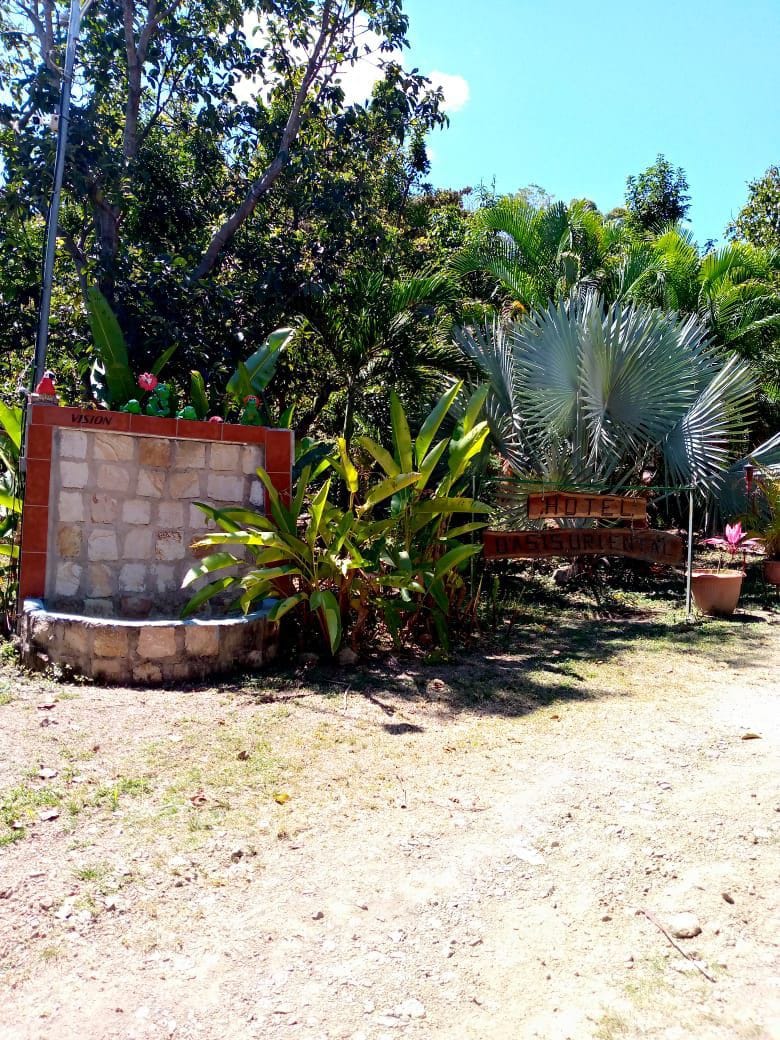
x: 772, y: 572
x: 716, y: 592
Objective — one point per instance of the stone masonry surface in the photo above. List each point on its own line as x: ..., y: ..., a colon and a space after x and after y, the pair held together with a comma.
x: 122, y: 519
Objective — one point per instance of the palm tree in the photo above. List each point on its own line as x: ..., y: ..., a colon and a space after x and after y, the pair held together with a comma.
x: 371, y: 332
x: 588, y: 393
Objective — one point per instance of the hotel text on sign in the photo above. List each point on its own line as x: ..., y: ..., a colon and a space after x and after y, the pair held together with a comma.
x: 593, y: 507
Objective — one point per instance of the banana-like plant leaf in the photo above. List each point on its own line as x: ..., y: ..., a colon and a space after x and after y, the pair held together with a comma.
x: 324, y: 602
x: 198, y: 395
x: 434, y: 420
x: 382, y: 456
x: 254, y: 375
x: 388, y: 488
x: 347, y: 471
x: 454, y: 558
x: 205, y: 594
x: 401, y: 435
x: 11, y: 422
x: 163, y: 359
x: 8, y: 502
x: 214, y: 562
x: 110, y: 346
x: 278, y: 610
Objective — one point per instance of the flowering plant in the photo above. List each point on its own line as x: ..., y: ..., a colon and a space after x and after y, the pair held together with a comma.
x: 734, y: 541
x: 147, y: 381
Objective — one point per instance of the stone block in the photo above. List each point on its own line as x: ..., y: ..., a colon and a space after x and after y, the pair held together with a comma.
x: 70, y: 506
x: 73, y: 444
x: 110, y: 671
x: 41, y: 631
x: 257, y: 494
x: 68, y: 579
x: 169, y: 545
x: 138, y: 544
x: 252, y: 456
x: 132, y: 577
x: 165, y: 578
x: 100, y: 580
x: 225, y: 457
x: 149, y: 674
x: 151, y: 483
x: 135, y: 606
x: 170, y: 514
x: 154, y: 452
x: 223, y: 487
x: 99, y: 607
x: 74, y: 474
x: 103, y: 509
x: 113, y: 478
x: 101, y: 545
x: 201, y: 641
x: 76, y: 638
x: 137, y: 511
x: 190, y: 455
x: 69, y: 540
x: 113, y: 447
x: 157, y: 642
x: 184, y: 485
x: 110, y: 642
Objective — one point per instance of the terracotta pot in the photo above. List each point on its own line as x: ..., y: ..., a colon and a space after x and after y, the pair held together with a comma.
x: 772, y: 572
x: 716, y: 592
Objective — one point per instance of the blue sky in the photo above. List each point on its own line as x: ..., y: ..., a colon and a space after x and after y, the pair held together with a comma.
x: 575, y: 96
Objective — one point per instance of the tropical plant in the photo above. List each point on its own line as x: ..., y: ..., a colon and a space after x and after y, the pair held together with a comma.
x: 734, y: 542
x: 11, y: 419
x: 587, y: 394
x: 343, y: 567
x: 763, y: 519
x: 658, y: 196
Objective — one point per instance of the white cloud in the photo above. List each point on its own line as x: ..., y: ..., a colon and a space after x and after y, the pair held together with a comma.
x: 455, y: 89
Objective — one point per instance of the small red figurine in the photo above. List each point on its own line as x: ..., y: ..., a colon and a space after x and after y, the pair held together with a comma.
x: 45, y: 391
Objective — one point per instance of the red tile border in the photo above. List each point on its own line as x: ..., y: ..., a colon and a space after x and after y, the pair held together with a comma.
x: 39, y: 442
x: 35, y: 529
x: 32, y: 581
x: 191, y: 429
x: 36, y: 491
x: 244, y: 434
x: 151, y: 425
x: 278, y: 451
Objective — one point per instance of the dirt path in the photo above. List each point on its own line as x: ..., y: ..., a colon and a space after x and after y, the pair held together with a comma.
x: 464, y: 855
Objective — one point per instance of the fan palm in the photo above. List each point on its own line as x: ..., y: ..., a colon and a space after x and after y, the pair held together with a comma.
x: 583, y: 393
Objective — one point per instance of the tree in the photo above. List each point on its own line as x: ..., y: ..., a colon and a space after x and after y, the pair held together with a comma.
x: 297, y: 183
x: 582, y: 393
x: 758, y: 222
x: 658, y: 196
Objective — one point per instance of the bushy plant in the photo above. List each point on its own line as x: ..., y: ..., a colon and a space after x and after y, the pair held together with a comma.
x: 389, y: 553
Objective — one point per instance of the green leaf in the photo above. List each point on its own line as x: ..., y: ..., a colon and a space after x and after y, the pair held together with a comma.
x: 254, y: 375
x: 326, y: 604
x: 203, y: 595
x: 454, y: 558
x: 198, y: 396
x: 430, y: 462
x: 13, y: 505
x: 348, y: 471
x: 9, y: 550
x: 318, y: 505
x: 11, y: 421
x: 214, y: 562
x: 437, y: 505
x: 464, y: 450
x: 434, y: 421
x: 387, y: 488
x: 382, y: 456
x: 402, y: 438
x: 474, y: 407
x: 163, y: 359
x: 285, y: 606
x: 110, y: 346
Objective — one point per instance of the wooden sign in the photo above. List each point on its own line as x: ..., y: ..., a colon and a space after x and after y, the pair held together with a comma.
x: 596, y: 507
x: 655, y: 546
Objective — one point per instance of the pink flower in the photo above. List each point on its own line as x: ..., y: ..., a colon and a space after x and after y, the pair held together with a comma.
x: 147, y: 381
x: 734, y: 535
x: 216, y: 418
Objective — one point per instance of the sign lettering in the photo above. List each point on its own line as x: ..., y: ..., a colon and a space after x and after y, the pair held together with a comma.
x: 91, y: 419
x: 654, y: 546
x: 595, y: 507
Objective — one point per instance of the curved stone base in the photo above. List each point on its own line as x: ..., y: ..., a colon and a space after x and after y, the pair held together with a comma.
x: 145, y: 653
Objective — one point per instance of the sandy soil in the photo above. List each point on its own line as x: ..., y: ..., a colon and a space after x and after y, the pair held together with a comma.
x: 484, y: 850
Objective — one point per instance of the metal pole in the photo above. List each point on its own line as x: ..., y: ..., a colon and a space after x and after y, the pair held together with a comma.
x: 52, y: 223
x: 689, y: 567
